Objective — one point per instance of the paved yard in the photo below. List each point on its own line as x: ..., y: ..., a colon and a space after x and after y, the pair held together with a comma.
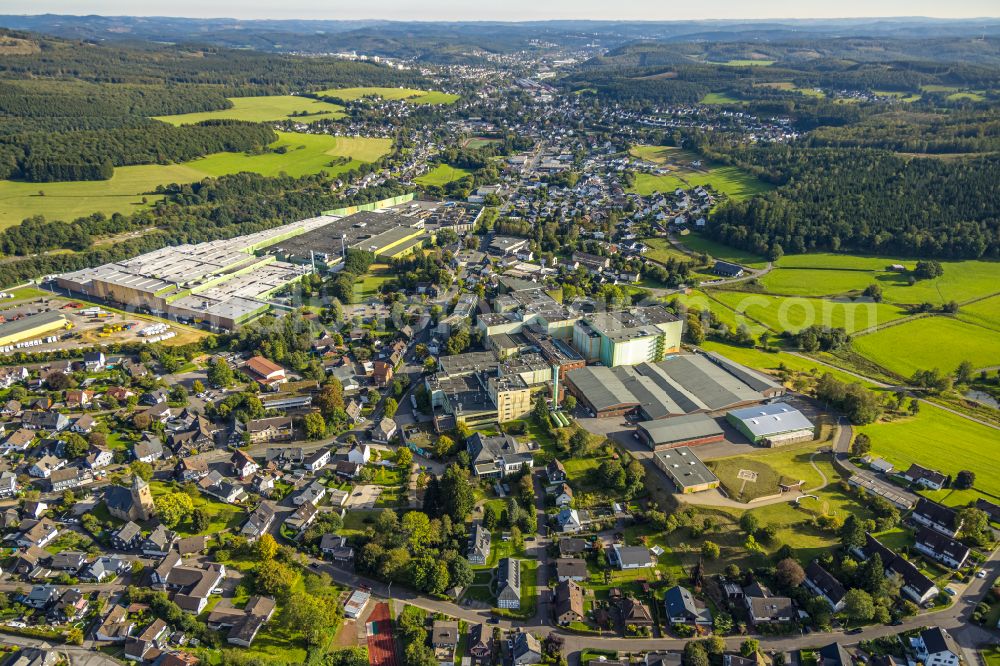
x: 364, y: 497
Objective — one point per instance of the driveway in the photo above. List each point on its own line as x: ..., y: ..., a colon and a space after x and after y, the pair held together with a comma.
x: 364, y: 497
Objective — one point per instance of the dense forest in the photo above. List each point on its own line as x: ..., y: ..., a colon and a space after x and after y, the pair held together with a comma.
x: 864, y: 200
x: 92, y: 154
x: 961, y: 131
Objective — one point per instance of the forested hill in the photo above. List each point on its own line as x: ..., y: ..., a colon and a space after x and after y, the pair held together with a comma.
x: 865, y: 200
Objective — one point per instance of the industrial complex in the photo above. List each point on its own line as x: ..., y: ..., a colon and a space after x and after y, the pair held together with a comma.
x: 222, y: 284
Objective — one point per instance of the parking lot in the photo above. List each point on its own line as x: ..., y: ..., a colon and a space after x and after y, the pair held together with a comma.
x: 364, y: 497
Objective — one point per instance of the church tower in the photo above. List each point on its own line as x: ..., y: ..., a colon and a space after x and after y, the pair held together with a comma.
x: 142, y: 499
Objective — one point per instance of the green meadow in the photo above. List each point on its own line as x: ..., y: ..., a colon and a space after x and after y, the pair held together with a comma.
x: 729, y: 180
x: 265, y: 109
x: 699, y: 243
x: 441, y: 175
x: 815, y: 282
x: 123, y: 193
x: 930, y: 342
x: 985, y: 313
x: 781, y: 313
x: 940, y: 440
x: 409, y: 94
x: 719, y: 98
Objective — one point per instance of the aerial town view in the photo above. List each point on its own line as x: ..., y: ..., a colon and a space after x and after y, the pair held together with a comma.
x: 499, y: 334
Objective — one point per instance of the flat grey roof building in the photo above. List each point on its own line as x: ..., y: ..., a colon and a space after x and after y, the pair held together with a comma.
x: 685, y: 469
x: 679, y: 430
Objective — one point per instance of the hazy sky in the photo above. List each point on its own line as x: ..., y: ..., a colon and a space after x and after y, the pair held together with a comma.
x: 510, y: 10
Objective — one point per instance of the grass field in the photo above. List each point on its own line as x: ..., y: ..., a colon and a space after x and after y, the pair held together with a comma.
x: 984, y: 313
x: 816, y: 282
x: 409, y: 94
x: 123, y: 193
x: 441, y: 175
x: 772, y: 469
x: 792, y: 313
x: 788, y: 85
x: 698, y: 243
x: 729, y: 180
x: 930, y: 342
x: 943, y: 441
x: 746, y: 62
x: 961, y: 281
x: 773, y: 361
x: 719, y: 98
x: 901, y: 96
x: 265, y: 109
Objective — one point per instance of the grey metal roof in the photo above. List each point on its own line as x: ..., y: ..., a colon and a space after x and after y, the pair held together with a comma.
x: 653, y: 400
x: 681, y: 428
x: 601, y: 386
x: 712, y: 385
x: 773, y: 419
x: 684, y: 467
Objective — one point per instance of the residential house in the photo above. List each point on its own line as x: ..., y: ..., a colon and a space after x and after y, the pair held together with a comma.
x: 191, y: 585
x: 444, y: 641
x: 149, y: 449
x: 34, y: 509
x: 105, y: 568
x: 564, y: 496
x: 569, y: 521
x: 94, y: 361
x: 70, y: 607
x: 682, y: 608
x: 573, y: 569
x: 45, y: 465
x: 936, y: 647
x: 336, y: 548
x: 157, y: 544
x: 221, y: 488
x: 941, y: 548
x: 524, y: 649
x: 382, y: 374
x: 925, y: 478
x: 149, y: 640
x: 347, y: 469
x: 383, y: 431
x: 78, y: 398
x: 302, y: 518
x: 68, y: 560
x: 191, y: 468
x: 568, y: 605
x: 629, y: 557
x: 258, y: 522
x: 634, y: 613
x: 8, y: 484
x: 555, y: 472
x: 128, y: 537
x: 36, y: 533
x: 936, y: 516
x: 70, y: 477
x: 312, y: 494
x: 822, y: 583
x: 572, y: 547
x: 98, y: 457
x: 317, y: 460
x: 479, y: 647
x: 243, y: 465
x: 84, y: 424
x: 115, y: 627
x: 360, y: 454
x: 275, y: 429
x: 770, y: 610
x: 508, y: 583
x: 20, y: 441
x: 40, y: 597
x: 479, y: 544
x: 833, y: 654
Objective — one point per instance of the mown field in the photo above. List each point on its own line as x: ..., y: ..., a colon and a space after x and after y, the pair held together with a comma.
x: 984, y: 313
x: 124, y: 192
x: 961, y: 281
x: 265, y: 109
x: 441, y: 175
x: 698, y: 243
x: 781, y: 313
x: 729, y: 180
x: 719, y: 98
x: 816, y: 282
x: 930, y: 342
x: 943, y: 441
x: 772, y: 468
x: 409, y: 94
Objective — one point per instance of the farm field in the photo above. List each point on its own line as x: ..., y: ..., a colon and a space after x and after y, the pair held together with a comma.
x: 746, y: 62
x: 983, y: 313
x: 123, y: 193
x: 264, y: 109
x: 919, y: 439
x: 661, y: 250
x: 962, y: 280
x: 411, y: 95
x: 816, y: 282
x: 441, y: 175
x: 930, y: 342
x: 698, y: 243
x: 700, y: 300
x: 788, y: 85
x: 780, y: 313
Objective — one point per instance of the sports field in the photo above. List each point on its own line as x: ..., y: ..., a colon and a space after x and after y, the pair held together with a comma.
x: 411, y: 95
x: 123, y: 193
x: 792, y: 313
x: 265, y: 109
x: 930, y: 342
x: 940, y: 440
x: 771, y: 469
x: 441, y: 175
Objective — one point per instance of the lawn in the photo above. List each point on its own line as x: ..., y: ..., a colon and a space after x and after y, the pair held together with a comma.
x: 124, y: 192
x: 698, y: 243
x: 409, y: 94
x: 367, y: 287
x: 265, y: 109
x: 772, y: 467
x: 700, y: 300
x: 792, y: 313
x: 660, y: 249
x: 762, y: 360
x: 816, y: 282
x: 930, y: 342
x: 943, y: 441
x: 729, y: 180
x: 221, y: 516
x: 441, y: 175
